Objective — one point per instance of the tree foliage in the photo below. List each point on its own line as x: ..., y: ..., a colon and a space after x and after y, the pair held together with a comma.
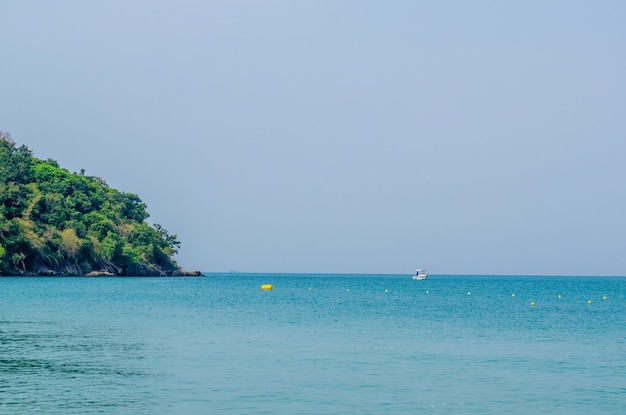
x: 53, y: 221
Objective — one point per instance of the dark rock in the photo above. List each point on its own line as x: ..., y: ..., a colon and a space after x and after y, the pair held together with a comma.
x: 100, y: 274
x: 185, y: 273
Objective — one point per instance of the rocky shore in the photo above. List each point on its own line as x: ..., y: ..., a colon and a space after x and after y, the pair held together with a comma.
x: 102, y: 273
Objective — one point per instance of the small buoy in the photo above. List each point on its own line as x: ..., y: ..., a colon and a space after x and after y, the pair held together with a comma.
x: 512, y: 295
x: 468, y: 293
x: 266, y: 287
x: 559, y: 296
x: 427, y: 292
x: 348, y: 290
x: 604, y: 298
x: 310, y: 289
x: 588, y: 301
x: 532, y: 303
x: 386, y: 291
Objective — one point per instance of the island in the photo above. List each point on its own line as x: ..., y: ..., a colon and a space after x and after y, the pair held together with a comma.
x: 57, y: 223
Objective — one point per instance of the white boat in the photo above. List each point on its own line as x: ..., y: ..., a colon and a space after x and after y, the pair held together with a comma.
x: 420, y: 274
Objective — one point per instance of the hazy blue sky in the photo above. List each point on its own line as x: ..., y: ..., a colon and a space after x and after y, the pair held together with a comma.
x: 340, y: 136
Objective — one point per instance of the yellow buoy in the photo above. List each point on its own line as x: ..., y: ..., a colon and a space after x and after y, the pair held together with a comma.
x: 559, y: 296
x: 266, y: 287
x: 588, y: 301
x: 468, y: 293
x: 427, y: 292
x: 604, y: 298
x: 386, y: 291
x: 348, y: 290
x: 310, y: 288
x: 512, y: 295
x: 532, y: 303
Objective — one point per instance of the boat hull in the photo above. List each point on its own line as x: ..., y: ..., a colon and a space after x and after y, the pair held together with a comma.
x: 420, y: 274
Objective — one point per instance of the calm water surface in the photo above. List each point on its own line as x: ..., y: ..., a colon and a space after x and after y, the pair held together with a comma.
x: 315, y: 344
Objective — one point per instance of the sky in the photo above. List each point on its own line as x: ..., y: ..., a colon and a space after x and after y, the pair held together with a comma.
x: 481, y: 137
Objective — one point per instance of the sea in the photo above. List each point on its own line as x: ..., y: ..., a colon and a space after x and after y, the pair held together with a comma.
x: 313, y: 344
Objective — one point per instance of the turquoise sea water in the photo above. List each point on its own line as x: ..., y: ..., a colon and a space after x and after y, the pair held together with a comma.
x: 315, y: 344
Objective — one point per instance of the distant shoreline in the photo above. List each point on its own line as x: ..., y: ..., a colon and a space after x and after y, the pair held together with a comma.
x: 101, y: 274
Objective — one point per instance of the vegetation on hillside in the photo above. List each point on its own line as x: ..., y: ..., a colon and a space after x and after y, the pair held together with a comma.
x: 53, y: 222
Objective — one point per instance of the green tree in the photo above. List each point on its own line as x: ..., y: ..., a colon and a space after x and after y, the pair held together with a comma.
x: 71, y: 223
x: 3, y: 263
